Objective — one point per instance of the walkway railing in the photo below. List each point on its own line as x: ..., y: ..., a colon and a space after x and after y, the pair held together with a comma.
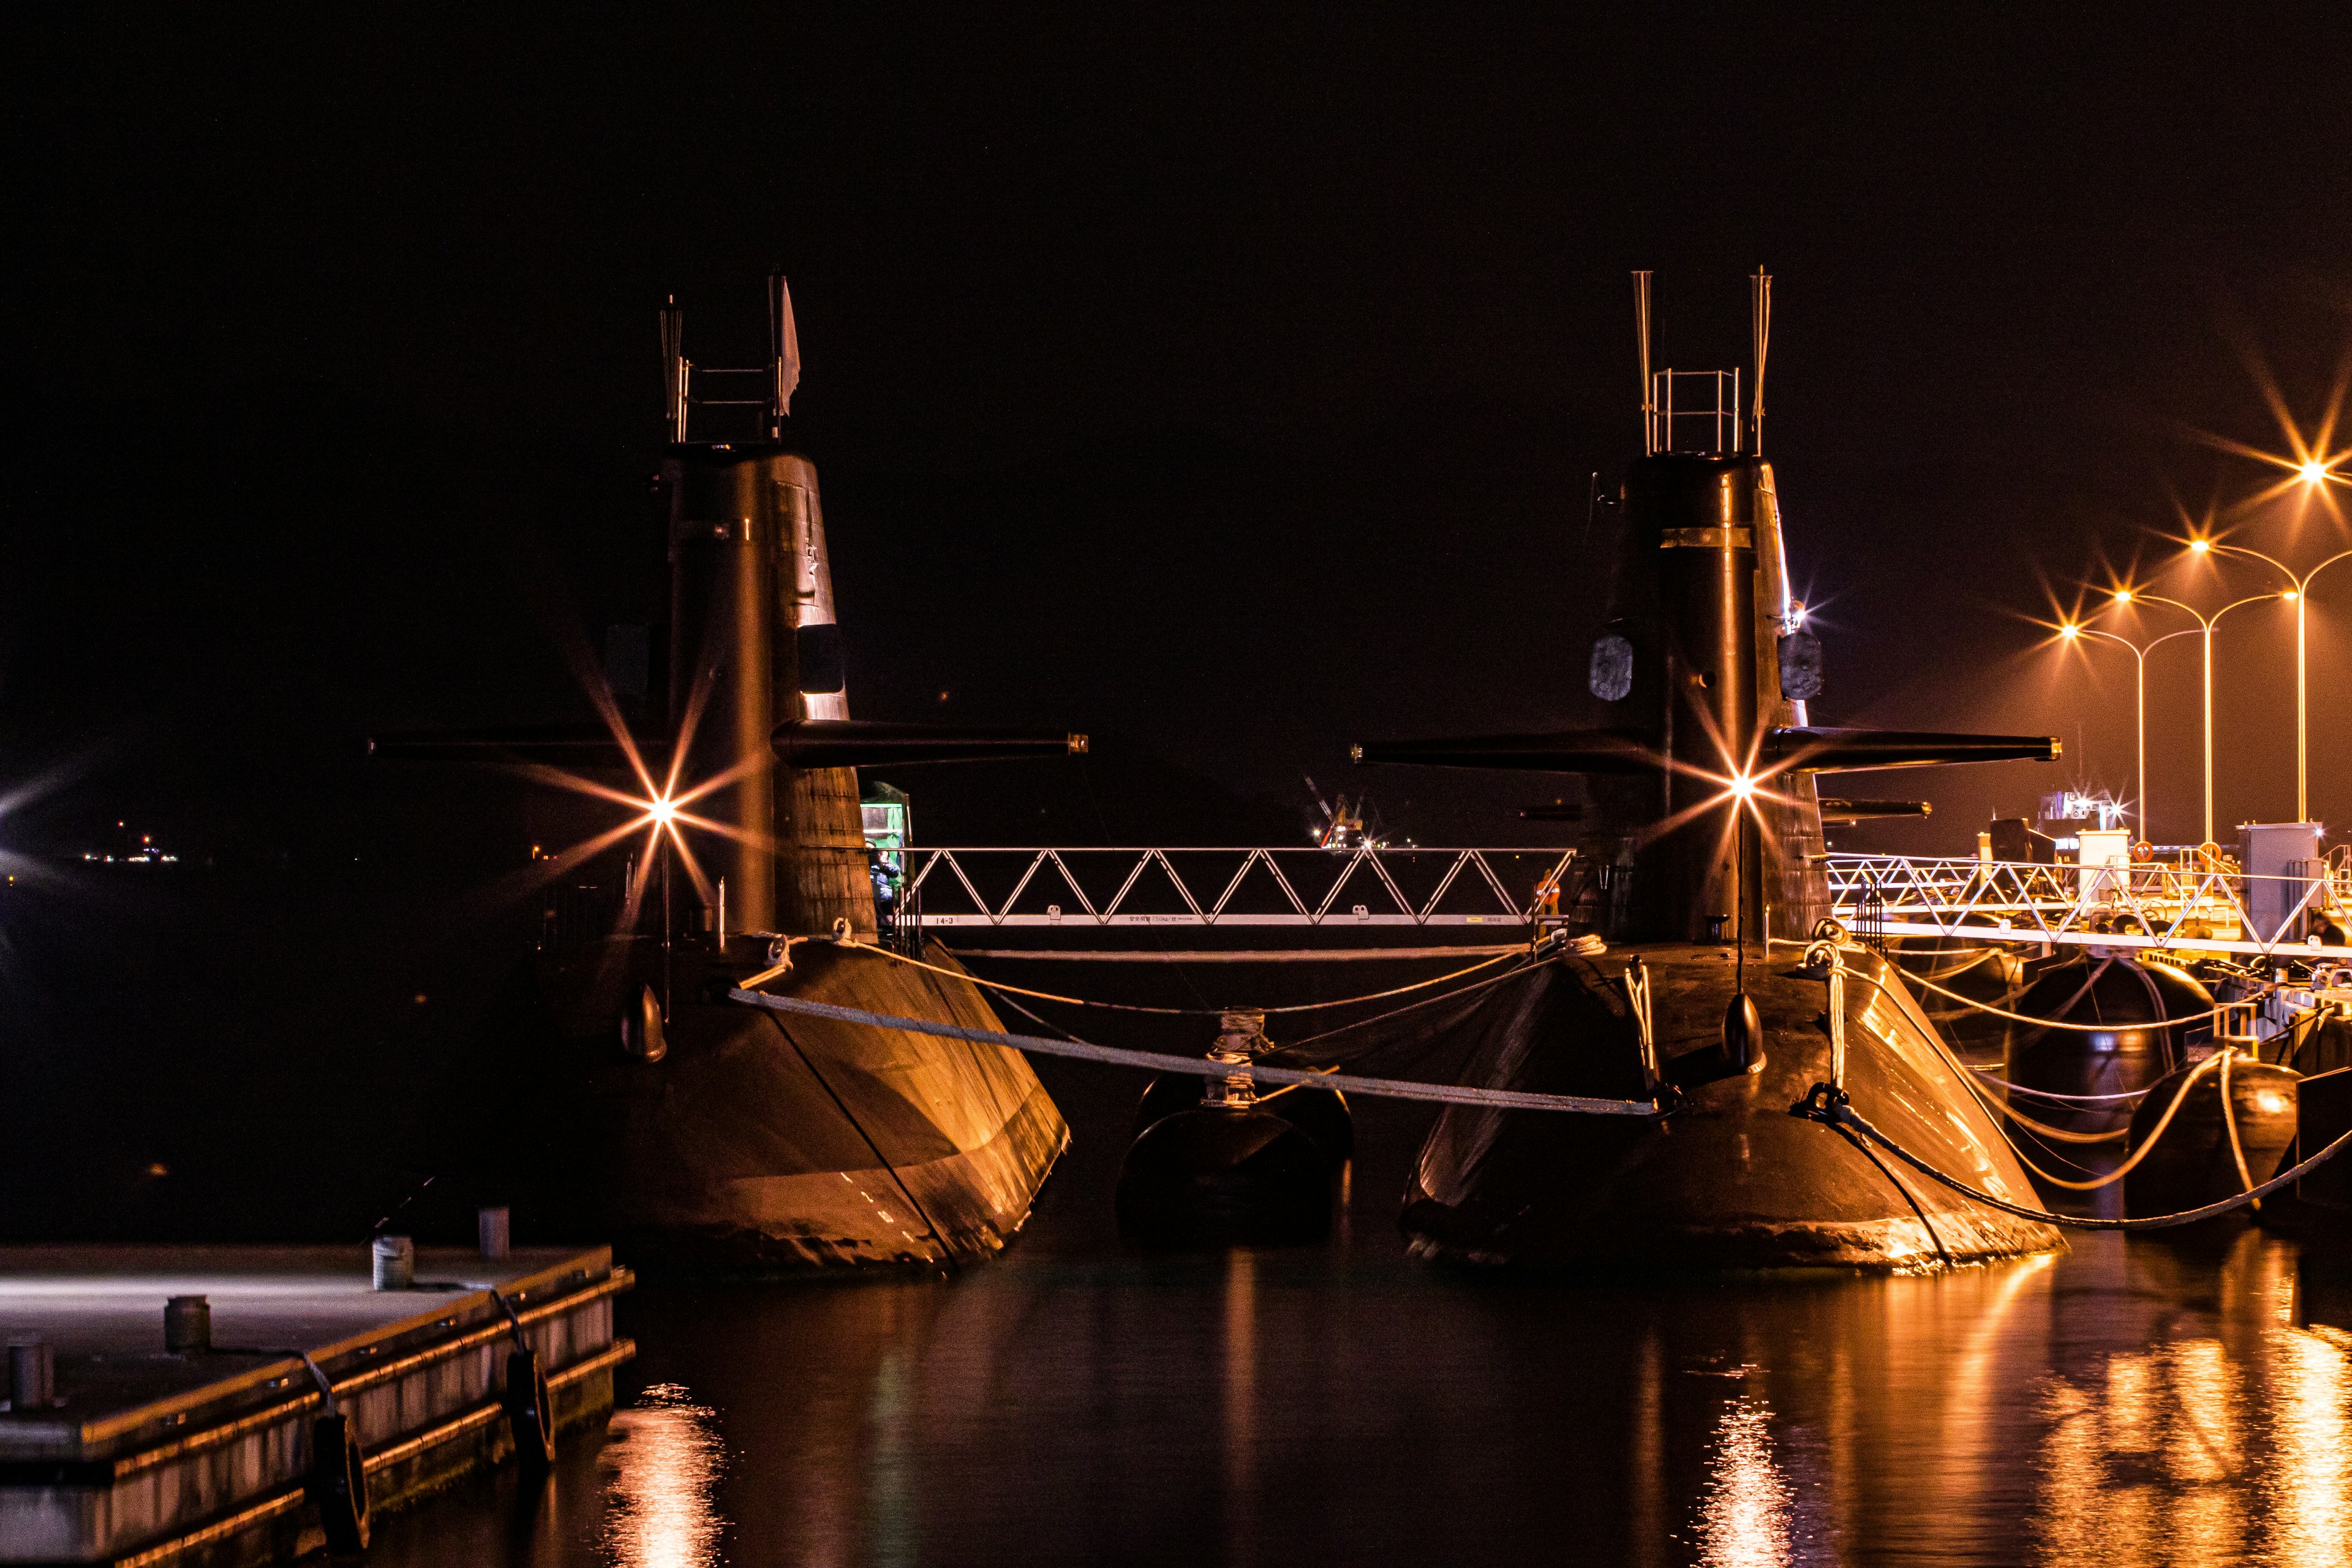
x: 2197, y: 904
x: 1304, y: 887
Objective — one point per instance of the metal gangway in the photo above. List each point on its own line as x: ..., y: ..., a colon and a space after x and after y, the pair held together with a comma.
x: 2199, y: 903
x: 1302, y: 886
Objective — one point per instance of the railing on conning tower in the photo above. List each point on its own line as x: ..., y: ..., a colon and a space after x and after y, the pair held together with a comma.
x: 1510, y: 890
x: 1708, y: 402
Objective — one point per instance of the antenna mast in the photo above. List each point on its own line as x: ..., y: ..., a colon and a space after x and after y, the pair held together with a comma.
x: 1641, y: 327
x: 674, y: 369
x: 1760, y: 293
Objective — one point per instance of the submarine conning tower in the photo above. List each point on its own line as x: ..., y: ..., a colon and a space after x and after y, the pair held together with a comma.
x: 753, y: 643
x: 744, y: 531
x: 1709, y: 822
x: 757, y: 750
x: 757, y: 684
x: 1701, y: 605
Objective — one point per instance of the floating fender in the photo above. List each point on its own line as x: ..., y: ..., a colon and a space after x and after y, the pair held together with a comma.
x: 1321, y: 1113
x: 1994, y: 976
x: 338, y: 1483
x: 2136, y: 998
x: 530, y: 1415
x: 1219, y: 1176
x: 2193, y: 1163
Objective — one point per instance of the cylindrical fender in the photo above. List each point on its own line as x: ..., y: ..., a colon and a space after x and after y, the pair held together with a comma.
x: 338, y: 1483
x: 530, y: 1413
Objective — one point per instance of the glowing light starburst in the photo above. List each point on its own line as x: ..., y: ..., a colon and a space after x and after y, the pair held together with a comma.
x: 659, y: 809
x: 2313, y: 466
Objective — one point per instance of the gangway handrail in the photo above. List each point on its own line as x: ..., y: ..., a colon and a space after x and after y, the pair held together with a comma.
x: 1367, y: 872
x: 2036, y: 901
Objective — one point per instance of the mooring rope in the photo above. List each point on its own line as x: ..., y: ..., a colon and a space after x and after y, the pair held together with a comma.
x: 1831, y: 1108
x: 1527, y: 968
x: 2159, y: 1025
x: 2117, y: 1174
x: 2135, y: 1095
x: 1201, y: 1067
x: 843, y: 939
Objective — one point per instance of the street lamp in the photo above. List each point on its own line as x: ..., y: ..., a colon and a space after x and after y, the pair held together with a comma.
x: 2133, y: 597
x: 2069, y: 631
x: 2301, y: 594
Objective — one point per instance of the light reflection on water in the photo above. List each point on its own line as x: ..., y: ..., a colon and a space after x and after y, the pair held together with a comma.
x: 661, y: 1463
x: 1744, y: 1520
x: 2129, y: 1404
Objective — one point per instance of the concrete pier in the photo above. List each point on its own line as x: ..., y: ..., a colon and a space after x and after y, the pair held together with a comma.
x: 141, y: 1456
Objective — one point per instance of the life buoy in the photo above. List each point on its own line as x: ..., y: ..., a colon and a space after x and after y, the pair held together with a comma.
x: 338, y: 1483
x: 530, y: 1412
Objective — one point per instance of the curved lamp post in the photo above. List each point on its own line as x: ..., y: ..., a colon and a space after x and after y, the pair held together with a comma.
x: 2300, y: 593
x: 2069, y: 631
x: 2134, y: 596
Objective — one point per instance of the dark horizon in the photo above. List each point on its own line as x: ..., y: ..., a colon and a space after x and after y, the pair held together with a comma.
x: 1228, y: 390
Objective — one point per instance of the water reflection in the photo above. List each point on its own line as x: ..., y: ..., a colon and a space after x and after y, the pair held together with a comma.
x: 661, y: 1464
x: 1744, y: 1520
x: 2307, y: 1481
x: 2126, y: 1404
x: 2201, y: 1451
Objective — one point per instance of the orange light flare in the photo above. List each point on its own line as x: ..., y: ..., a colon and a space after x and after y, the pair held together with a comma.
x: 659, y: 809
x: 2311, y: 467
x: 1744, y: 782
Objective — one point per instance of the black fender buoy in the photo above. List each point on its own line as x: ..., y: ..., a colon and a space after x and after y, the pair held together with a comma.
x: 1223, y: 1175
x: 2194, y: 1164
x: 1321, y: 1113
x: 338, y: 1483
x: 530, y: 1413
x: 2133, y: 1049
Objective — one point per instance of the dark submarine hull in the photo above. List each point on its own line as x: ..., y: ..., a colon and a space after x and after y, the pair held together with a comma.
x: 633, y: 1102
x: 1729, y: 1180
x: 765, y: 1140
x: 1706, y: 843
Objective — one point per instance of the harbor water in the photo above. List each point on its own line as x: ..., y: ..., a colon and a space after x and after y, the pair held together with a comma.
x: 2132, y: 1402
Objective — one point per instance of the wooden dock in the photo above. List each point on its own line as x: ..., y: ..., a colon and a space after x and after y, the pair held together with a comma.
x: 236, y: 1455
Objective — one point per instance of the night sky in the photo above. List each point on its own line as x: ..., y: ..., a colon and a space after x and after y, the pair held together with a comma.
x: 1224, y: 385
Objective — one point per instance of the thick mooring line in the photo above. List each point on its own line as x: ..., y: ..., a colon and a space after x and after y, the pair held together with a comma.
x: 1201, y: 1067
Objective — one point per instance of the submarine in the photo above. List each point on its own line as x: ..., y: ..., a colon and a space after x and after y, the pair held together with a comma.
x: 637, y: 1102
x: 1718, y: 987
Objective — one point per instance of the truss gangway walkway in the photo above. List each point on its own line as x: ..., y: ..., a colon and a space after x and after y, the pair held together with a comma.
x: 1303, y: 889
x: 2198, y: 905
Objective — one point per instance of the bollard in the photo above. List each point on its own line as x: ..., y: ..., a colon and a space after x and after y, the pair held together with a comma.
x: 395, y: 1262
x: 188, y: 1325
x: 32, y: 1375
x: 492, y: 1226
